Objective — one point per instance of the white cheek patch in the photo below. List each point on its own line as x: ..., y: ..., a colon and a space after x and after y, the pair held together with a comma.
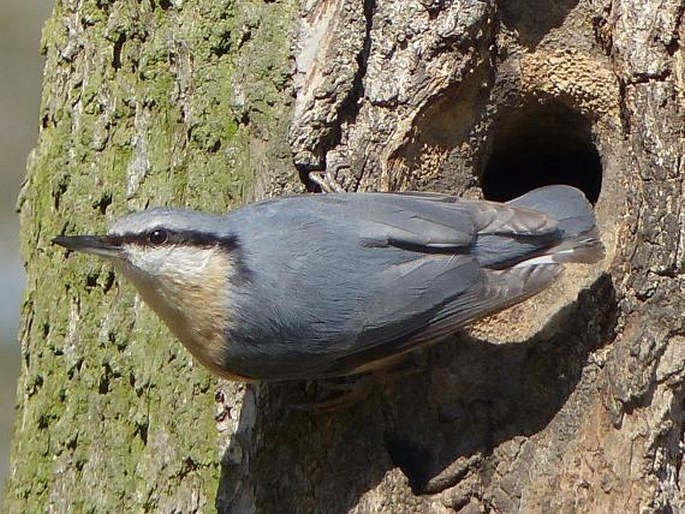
x: 147, y: 260
x: 187, y: 262
x: 175, y: 262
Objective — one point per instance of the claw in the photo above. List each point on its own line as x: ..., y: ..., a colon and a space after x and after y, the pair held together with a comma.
x: 345, y: 393
x: 326, y: 181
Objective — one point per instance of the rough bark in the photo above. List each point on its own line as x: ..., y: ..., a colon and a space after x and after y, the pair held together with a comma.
x: 570, y: 402
x: 144, y: 103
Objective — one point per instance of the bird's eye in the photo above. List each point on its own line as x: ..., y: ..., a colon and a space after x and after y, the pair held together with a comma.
x: 158, y: 236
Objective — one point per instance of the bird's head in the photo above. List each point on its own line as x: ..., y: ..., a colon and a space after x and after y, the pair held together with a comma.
x: 164, y: 245
x: 184, y: 264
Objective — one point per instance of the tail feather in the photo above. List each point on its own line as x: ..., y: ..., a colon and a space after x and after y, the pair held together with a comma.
x: 581, y: 242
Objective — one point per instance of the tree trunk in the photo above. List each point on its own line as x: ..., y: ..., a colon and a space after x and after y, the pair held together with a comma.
x: 144, y: 103
x: 570, y: 402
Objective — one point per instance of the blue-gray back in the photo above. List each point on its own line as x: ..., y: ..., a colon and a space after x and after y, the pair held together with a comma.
x: 342, y: 279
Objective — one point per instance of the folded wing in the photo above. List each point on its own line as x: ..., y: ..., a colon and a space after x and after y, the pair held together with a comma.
x: 440, y: 284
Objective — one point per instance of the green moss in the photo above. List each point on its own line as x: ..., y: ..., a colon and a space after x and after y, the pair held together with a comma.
x: 141, y: 106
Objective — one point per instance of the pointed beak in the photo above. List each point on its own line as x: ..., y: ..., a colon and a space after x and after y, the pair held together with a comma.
x: 104, y: 246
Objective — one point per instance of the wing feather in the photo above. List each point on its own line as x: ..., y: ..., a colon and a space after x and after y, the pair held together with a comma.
x: 438, y: 221
x: 499, y: 290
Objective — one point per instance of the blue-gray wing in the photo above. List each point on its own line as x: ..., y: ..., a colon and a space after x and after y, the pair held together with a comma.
x: 439, y: 221
x: 440, y: 274
x: 516, y: 252
x: 491, y: 293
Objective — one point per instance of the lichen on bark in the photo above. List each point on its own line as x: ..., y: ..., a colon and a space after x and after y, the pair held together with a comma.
x: 143, y: 104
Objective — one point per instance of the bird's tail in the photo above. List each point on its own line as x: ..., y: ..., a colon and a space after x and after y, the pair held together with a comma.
x: 581, y: 241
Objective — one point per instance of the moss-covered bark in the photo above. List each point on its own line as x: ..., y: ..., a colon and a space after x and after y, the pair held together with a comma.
x: 144, y: 103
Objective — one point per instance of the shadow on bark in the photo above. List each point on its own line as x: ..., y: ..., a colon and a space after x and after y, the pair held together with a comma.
x: 533, y: 19
x: 435, y: 424
x: 483, y: 394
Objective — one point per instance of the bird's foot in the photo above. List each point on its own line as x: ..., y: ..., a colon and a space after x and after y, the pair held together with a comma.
x: 336, y: 394
x: 326, y: 181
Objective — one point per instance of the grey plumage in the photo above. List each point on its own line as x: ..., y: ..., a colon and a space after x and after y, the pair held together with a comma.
x: 328, y: 285
x: 346, y: 279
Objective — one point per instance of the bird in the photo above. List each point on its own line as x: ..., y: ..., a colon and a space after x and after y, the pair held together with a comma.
x: 320, y: 286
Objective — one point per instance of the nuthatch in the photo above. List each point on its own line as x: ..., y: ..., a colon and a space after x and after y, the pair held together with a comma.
x: 327, y: 285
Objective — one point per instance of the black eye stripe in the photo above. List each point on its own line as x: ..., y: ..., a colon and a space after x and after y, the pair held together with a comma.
x: 189, y: 238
